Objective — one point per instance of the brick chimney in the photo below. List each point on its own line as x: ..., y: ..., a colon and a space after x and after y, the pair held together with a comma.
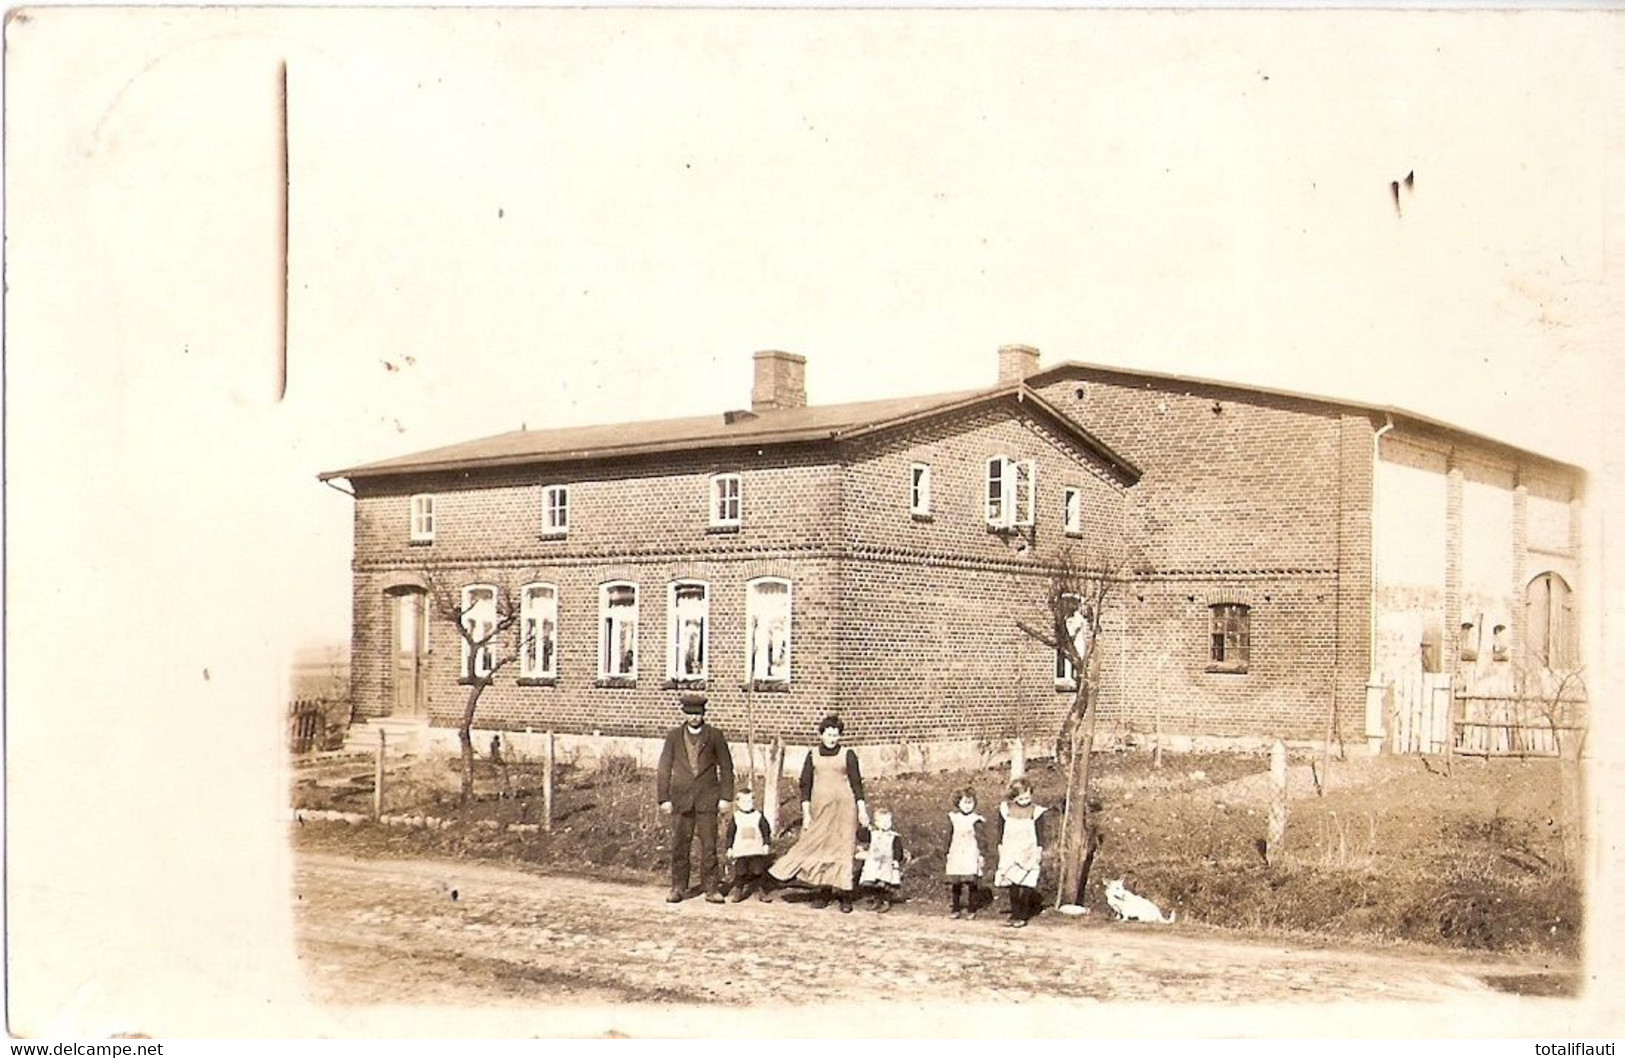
x: 781, y: 381
x: 1016, y: 362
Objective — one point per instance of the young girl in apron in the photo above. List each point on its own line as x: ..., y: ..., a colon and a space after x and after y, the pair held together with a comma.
x: 962, y: 869
x: 1021, y: 851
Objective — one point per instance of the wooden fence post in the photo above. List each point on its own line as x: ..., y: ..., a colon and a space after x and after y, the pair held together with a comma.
x: 1275, y: 841
x: 770, y: 783
x: 547, y: 784
x: 1018, y: 758
x: 378, y: 781
x: 1450, y: 733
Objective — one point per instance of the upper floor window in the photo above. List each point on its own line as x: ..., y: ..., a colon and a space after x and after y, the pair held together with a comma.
x: 1011, y: 487
x: 555, y: 510
x: 1072, y: 511
x: 1230, y: 634
x: 767, y: 629
x: 423, y: 518
x: 725, y: 500
x: 539, y: 631
x: 688, y: 621
x: 618, y: 630
x: 919, y: 489
x: 478, y: 616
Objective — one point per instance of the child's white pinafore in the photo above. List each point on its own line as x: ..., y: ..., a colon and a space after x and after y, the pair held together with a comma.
x: 964, y: 860
x: 1019, y: 853
x: 747, y: 836
x: 881, y: 866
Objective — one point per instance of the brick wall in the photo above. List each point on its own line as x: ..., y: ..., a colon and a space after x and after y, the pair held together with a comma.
x: 1465, y: 524
x: 930, y: 643
x: 576, y: 702
x: 883, y: 586
x: 957, y: 449
x: 649, y: 508
x: 907, y: 626
x: 1159, y: 673
x: 1249, y: 487
x: 1253, y: 498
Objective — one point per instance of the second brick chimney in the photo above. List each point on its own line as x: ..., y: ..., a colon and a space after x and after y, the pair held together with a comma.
x: 1016, y: 362
x: 781, y: 381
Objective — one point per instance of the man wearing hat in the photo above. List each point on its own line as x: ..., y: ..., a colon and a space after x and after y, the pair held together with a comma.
x: 695, y: 770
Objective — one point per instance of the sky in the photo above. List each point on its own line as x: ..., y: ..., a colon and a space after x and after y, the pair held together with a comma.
x: 552, y: 218
x: 593, y: 226
x: 546, y: 219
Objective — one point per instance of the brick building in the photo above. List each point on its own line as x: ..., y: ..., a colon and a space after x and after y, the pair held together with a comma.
x: 1355, y: 544
x: 871, y: 558
x: 789, y: 561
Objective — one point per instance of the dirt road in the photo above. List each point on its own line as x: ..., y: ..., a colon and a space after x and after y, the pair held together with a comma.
x: 452, y: 933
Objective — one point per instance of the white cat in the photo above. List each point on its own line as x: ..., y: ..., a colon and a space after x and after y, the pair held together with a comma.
x: 1133, y: 907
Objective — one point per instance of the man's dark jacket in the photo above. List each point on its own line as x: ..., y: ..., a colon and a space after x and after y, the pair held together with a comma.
x: 698, y: 790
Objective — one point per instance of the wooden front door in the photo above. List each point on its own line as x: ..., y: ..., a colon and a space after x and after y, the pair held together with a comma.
x: 411, y: 641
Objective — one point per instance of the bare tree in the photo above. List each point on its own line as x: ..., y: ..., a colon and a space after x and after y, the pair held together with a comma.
x: 1076, y: 595
x: 482, y: 613
x: 1558, y: 698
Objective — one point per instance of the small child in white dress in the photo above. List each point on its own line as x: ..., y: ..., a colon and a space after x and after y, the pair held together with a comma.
x: 882, y: 875
x: 964, y: 863
x: 750, y: 847
x: 1021, y: 851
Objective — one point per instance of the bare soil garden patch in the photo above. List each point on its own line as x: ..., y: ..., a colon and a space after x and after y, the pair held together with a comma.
x: 1396, y: 851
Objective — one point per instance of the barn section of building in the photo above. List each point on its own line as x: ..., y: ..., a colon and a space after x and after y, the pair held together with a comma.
x: 1283, y: 555
x: 1371, y: 550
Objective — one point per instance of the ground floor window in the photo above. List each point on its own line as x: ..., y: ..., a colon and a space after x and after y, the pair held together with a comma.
x: 1230, y: 635
x: 618, y: 630
x: 539, y: 631
x: 478, y: 617
x: 688, y: 629
x: 767, y: 629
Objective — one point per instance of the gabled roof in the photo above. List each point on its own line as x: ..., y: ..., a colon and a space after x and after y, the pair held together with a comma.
x: 1171, y: 381
x: 828, y: 423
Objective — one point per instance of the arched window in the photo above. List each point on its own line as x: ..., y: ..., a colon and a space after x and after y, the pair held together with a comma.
x: 688, y: 630
x: 479, y: 621
x: 618, y: 630
x: 767, y: 629
x: 1549, y: 605
x: 538, y: 631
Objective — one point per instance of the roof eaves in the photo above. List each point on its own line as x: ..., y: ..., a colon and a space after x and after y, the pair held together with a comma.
x: 928, y: 411
x: 1059, y: 370
x: 795, y: 435
x: 1117, y: 461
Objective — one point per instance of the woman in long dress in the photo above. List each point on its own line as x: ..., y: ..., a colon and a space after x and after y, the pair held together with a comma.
x: 832, y: 806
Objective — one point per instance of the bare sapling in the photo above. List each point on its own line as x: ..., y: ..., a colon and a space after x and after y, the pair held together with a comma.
x: 1074, y: 604
x: 482, y: 614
